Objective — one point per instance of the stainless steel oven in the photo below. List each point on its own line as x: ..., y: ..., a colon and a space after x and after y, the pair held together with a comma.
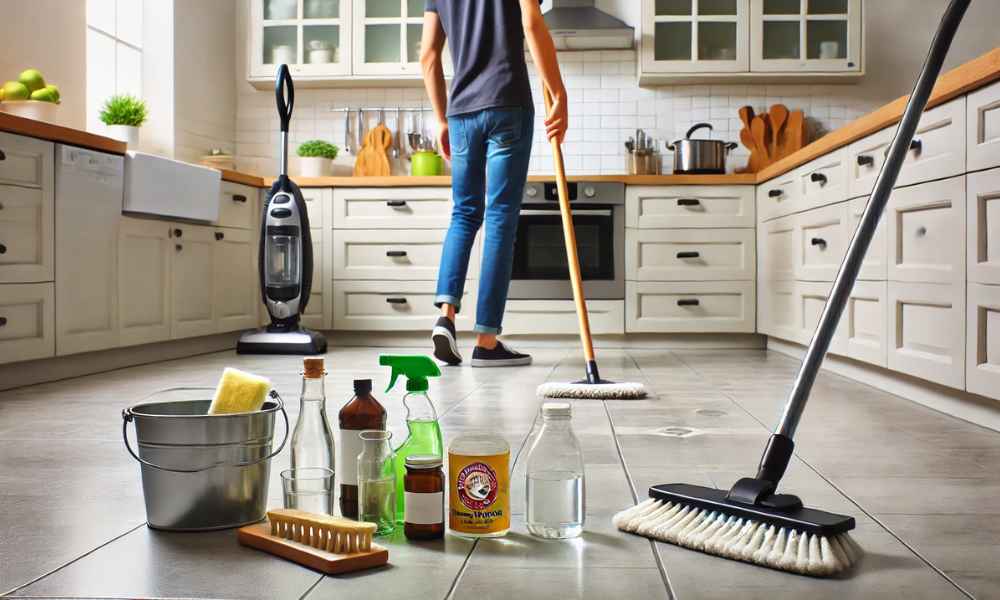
x: 540, y: 271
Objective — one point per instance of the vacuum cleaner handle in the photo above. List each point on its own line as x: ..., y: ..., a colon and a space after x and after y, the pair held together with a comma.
x: 284, y: 95
x: 849, y: 268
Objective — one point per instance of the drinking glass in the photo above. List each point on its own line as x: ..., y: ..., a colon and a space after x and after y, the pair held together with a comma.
x: 309, y: 489
x: 377, y: 481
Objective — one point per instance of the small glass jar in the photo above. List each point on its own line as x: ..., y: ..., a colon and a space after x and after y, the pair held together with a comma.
x: 424, y: 492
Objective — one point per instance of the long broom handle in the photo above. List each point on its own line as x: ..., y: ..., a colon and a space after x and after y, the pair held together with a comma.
x: 849, y: 268
x: 569, y: 235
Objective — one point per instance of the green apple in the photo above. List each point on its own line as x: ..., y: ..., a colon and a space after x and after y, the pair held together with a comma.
x: 55, y: 90
x: 43, y: 95
x: 1, y: 94
x: 32, y: 79
x: 13, y: 90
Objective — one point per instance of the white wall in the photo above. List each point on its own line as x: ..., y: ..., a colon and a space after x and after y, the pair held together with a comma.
x: 157, y: 134
x: 49, y: 35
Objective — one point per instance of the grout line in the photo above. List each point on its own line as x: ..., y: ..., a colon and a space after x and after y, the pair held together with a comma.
x: 64, y: 565
x: 312, y: 587
x: 461, y: 571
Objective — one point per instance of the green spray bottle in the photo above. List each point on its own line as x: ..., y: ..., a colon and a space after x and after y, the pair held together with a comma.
x: 421, y: 418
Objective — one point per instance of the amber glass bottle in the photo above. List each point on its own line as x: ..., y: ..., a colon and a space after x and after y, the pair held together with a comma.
x: 424, y: 510
x: 362, y: 412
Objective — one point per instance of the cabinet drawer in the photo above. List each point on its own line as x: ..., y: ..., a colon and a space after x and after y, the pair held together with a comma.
x: 393, y: 306
x: 821, y: 238
x: 938, y: 148
x: 983, y: 350
x: 391, y: 208
x: 689, y: 206
x: 26, y: 234
x: 238, y: 206
x: 983, y: 128
x: 983, y: 222
x: 824, y: 180
x: 317, y: 206
x: 873, y: 268
x: 927, y: 331
x: 413, y: 255
x: 27, y: 321
x: 718, y: 306
x: 777, y: 248
x: 777, y: 309
x: 810, y: 300
x: 865, y: 158
x: 779, y: 196
x: 26, y: 161
x: 927, y: 232
x: 864, y: 323
x: 555, y: 317
x: 690, y: 254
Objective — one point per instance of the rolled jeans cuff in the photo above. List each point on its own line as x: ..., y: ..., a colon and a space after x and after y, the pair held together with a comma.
x: 489, y: 330
x: 446, y: 299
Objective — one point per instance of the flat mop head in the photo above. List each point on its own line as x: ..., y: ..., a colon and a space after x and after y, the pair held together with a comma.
x: 800, y: 540
x: 583, y: 390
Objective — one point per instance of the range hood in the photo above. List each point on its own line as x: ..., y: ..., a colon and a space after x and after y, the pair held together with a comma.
x: 579, y: 25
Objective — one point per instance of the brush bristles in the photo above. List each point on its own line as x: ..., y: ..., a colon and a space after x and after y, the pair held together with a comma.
x: 739, y: 538
x: 332, y: 534
x: 610, y: 391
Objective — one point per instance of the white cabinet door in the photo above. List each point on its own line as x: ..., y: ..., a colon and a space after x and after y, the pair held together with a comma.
x: 777, y: 315
x: 811, y: 297
x: 413, y: 255
x: 778, y: 243
x: 26, y: 161
x: 558, y: 317
x: 938, y: 147
x: 312, y: 36
x: 864, y: 322
x: 779, y: 196
x: 690, y: 254
x: 317, y: 206
x: 27, y: 321
x: 144, y: 284
x: 26, y: 234
x: 702, y: 206
x: 807, y: 36
x: 234, y: 275
x: 983, y: 128
x: 821, y: 240
x: 387, y: 36
x: 983, y: 222
x: 873, y: 268
x: 697, y: 36
x: 690, y: 307
x: 192, y: 281
x: 315, y: 314
x: 865, y: 158
x: 927, y: 232
x: 394, y: 306
x: 238, y: 206
x: 824, y: 180
x: 927, y: 331
x: 392, y: 208
x: 983, y: 351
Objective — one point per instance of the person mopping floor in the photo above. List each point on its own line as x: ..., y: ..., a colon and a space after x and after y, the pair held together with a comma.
x: 486, y: 129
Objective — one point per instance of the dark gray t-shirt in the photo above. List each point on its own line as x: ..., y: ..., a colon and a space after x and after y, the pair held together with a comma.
x: 486, y: 41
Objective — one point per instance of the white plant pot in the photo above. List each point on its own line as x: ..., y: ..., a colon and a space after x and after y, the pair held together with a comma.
x: 314, y: 166
x: 125, y: 133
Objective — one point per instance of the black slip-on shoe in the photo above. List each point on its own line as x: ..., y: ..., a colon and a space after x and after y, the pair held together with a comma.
x: 445, y: 344
x: 499, y: 356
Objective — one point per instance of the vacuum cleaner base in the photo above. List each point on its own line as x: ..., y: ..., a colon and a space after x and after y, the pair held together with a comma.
x: 299, y: 341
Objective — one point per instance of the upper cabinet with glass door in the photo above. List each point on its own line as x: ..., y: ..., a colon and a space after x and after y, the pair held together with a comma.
x: 313, y: 37
x: 387, y: 38
x: 694, y: 36
x: 816, y: 36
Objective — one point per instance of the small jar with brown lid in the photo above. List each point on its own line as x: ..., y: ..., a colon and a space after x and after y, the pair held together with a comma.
x: 424, y: 497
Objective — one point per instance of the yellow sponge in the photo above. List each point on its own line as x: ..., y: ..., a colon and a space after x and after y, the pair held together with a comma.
x: 239, y: 392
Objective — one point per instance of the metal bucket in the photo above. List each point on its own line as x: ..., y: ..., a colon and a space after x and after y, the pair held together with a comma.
x: 201, y: 471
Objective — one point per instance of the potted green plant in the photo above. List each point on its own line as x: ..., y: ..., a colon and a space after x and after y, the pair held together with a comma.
x: 123, y: 114
x: 315, y: 158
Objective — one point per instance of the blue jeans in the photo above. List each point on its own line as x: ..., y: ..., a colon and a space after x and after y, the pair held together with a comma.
x: 490, y: 150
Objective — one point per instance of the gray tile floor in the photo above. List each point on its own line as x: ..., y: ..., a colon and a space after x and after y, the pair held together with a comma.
x: 922, y: 486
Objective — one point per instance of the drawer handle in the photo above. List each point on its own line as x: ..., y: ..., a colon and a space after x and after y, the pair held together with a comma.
x: 178, y: 233
x: 396, y: 253
x: 219, y: 236
x: 688, y: 255
x: 396, y: 300
x: 864, y: 160
x: 916, y: 145
x: 178, y: 247
x: 921, y: 231
x: 688, y: 202
x: 818, y: 178
x: 239, y: 198
x: 775, y: 193
x: 395, y: 203
x: 3, y: 249
x: 3, y: 321
x: 818, y: 242
x: 1, y: 205
x: 2, y: 155
x: 688, y: 302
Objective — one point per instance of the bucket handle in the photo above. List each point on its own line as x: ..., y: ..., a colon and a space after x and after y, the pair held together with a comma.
x: 127, y: 418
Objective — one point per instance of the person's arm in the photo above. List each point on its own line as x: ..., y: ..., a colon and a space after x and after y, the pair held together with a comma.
x: 431, y: 47
x: 543, y: 53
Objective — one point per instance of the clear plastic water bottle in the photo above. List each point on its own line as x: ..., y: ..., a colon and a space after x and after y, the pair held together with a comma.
x: 555, y: 485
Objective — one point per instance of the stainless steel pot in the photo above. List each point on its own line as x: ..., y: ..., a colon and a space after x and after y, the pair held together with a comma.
x: 700, y: 156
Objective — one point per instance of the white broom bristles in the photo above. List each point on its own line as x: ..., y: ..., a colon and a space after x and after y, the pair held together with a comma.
x: 610, y: 391
x: 739, y: 538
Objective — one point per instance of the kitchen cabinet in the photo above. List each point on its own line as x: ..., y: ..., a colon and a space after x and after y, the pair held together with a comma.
x: 777, y: 309
x: 387, y: 36
x: 312, y: 36
x: 238, y: 206
x: 927, y: 232
x: 695, y: 36
x: 392, y: 208
x: 821, y: 238
x: 689, y: 307
x: 701, y: 206
x: 234, y: 277
x: 873, y: 267
x: 983, y: 345
x: 27, y: 321
x: 810, y: 298
x: 864, y: 322
x: 145, y: 248
x: 690, y: 254
x: 983, y: 223
x: 824, y: 180
x: 806, y: 36
x: 927, y: 331
x: 27, y: 187
x: 394, y: 306
x: 779, y: 196
x: 192, y: 281
x: 777, y: 241
x: 557, y: 317
x: 386, y: 254
x: 983, y: 128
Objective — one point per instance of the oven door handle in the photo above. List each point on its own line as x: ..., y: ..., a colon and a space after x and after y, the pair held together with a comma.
x: 606, y: 212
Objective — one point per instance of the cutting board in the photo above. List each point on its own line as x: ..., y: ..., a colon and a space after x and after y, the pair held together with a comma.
x: 779, y: 132
x: 258, y: 536
x: 373, y: 159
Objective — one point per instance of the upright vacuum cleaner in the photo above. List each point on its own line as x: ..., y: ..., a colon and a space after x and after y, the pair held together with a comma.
x: 285, y: 262
x: 751, y: 521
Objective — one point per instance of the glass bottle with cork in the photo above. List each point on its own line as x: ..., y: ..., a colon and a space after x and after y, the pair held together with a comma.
x: 361, y: 413
x: 312, y: 438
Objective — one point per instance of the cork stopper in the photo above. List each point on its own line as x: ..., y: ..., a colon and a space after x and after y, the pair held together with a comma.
x: 312, y: 367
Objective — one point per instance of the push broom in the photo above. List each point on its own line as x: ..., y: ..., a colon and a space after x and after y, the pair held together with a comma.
x: 751, y: 522
x: 593, y: 386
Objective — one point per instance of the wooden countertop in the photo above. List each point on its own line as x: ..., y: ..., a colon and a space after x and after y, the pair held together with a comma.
x: 57, y: 133
x: 444, y: 181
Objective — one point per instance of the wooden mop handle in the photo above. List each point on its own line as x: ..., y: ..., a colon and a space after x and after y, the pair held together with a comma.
x: 569, y: 233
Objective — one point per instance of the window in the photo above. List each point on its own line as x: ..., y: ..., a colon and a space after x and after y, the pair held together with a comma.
x: 114, y: 53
